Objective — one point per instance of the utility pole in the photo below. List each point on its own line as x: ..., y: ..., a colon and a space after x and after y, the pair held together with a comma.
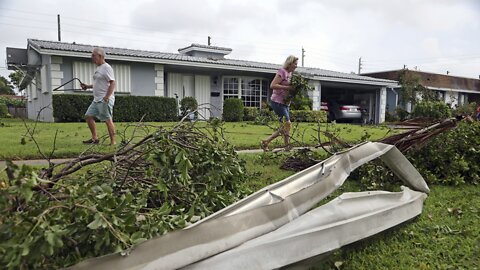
x: 209, y: 39
x: 303, y: 56
x: 58, y: 27
x: 359, y: 65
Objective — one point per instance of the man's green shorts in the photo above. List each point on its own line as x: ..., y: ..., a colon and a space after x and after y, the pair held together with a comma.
x: 103, y: 111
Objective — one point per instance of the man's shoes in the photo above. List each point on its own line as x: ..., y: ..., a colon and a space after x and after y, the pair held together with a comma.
x: 91, y: 141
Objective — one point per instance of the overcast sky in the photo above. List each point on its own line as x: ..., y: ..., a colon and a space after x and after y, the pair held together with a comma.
x: 430, y: 35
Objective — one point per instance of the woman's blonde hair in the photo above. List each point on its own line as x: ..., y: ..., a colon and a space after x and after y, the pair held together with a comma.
x: 290, y: 60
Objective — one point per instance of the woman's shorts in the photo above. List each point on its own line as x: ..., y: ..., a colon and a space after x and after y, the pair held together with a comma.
x: 101, y: 110
x: 281, y: 110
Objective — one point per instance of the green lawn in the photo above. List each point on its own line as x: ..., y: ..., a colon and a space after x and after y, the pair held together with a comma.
x: 15, y: 143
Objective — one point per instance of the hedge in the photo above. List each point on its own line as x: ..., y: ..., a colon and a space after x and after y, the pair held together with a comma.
x: 12, y: 102
x: 261, y: 117
x: 433, y: 109
x: 3, y: 110
x: 232, y: 110
x: 250, y: 113
x: 71, y: 108
x: 308, y: 116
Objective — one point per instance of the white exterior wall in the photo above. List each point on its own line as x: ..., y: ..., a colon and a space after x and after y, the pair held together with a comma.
x: 382, y: 106
x: 188, y: 89
x: 202, y: 95
x: 123, y: 82
x: 315, y: 95
x: 43, y: 79
x: 197, y: 86
x: 56, y: 74
x: 452, y: 98
x: 174, y: 84
x: 159, y: 81
x: 39, y: 105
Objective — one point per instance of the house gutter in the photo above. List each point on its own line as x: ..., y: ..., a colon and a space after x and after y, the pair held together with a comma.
x: 453, y: 90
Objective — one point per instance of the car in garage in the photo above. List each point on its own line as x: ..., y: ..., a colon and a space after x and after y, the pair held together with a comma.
x: 344, y: 111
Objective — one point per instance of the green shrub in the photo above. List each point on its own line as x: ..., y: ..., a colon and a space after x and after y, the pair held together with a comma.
x: 301, y: 103
x: 401, y: 113
x: 13, y: 101
x: 232, y: 110
x: 3, y: 110
x: 391, y: 117
x: 71, y: 108
x: 432, y: 109
x: 308, y: 116
x: 250, y: 113
x: 187, y: 105
x: 466, y: 109
x: 264, y: 117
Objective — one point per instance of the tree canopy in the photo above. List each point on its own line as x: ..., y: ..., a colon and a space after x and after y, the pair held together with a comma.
x: 6, y: 88
x: 16, y: 78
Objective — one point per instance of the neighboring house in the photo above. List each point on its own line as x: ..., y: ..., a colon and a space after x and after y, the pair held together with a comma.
x: 450, y: 89
x: 199, y: 71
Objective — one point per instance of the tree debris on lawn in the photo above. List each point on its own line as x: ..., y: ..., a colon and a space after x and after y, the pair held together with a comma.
x: 420, y: 132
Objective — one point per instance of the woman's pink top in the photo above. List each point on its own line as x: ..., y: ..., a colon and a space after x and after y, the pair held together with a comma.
x: 278, y: 95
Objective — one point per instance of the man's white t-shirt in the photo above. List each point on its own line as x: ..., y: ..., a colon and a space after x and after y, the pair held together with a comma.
x: 101, y: 81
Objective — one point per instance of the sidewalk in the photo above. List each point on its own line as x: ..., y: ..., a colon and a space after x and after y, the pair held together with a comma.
x: 43, y: 162
x: 33, y: 162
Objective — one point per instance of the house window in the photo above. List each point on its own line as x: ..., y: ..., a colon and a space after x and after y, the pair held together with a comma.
x: 252, y: 91
x: 85, y: 70
x: 230, y: 88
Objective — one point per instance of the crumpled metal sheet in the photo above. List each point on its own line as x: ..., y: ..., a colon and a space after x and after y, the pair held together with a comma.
x: 346, y: 219
x: 260, y: 213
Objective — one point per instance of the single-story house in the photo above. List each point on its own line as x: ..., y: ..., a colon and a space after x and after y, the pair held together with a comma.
x: 197, y: 70
x: 452, y: 90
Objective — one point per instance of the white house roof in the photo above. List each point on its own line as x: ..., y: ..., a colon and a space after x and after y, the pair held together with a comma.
x: 83, y: 50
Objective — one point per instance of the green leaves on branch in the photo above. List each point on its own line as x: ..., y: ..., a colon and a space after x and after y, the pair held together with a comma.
x: 174, y: 178
x: 451, y: 158
x: 298, y: 96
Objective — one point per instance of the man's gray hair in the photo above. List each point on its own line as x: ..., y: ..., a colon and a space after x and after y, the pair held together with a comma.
x: 99, y: 51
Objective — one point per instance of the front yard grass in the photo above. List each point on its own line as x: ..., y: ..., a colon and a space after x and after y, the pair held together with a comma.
x: 67, y: 137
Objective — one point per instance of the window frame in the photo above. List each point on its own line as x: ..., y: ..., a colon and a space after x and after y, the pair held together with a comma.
x: 239, y: 90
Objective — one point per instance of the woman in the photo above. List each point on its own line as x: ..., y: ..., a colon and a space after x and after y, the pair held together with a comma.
x: 280, y: 87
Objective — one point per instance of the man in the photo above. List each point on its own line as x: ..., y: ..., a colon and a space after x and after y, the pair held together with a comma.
x: 103, y: 98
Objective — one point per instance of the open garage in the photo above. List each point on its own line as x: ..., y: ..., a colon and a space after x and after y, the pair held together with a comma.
x: 351, y: 97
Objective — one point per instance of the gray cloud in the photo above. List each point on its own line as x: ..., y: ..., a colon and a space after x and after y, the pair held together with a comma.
x: 434, y: 35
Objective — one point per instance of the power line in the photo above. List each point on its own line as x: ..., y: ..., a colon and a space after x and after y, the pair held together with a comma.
x: 23, y: 11
x: 29, y: 20
x: 27, y: 26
